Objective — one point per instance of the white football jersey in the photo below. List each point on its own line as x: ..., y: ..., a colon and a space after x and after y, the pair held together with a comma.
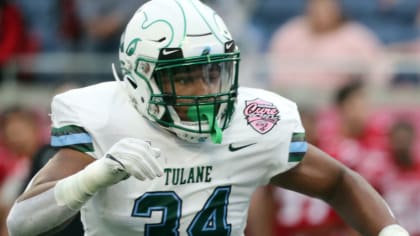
x: 206, y: 187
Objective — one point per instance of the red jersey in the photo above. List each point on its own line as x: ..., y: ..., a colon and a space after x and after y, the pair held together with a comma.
x: 400, y: 187
x: 364, y: 154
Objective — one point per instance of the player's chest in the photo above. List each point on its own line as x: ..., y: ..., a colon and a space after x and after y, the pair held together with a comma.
x: 195, y: 194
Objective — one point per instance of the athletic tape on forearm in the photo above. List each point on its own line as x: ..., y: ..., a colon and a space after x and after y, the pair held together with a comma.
x: 393, y: 230
x: 76, y: 189
x: 37, y: 215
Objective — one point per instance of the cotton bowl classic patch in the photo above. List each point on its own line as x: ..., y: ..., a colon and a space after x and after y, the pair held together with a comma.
x: 261, y: 115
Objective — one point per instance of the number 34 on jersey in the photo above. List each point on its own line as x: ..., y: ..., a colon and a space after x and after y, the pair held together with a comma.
x: 209, y: 221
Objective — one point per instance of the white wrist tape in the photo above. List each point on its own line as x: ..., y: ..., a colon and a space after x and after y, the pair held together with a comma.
x: 129, y: 156
x: 37, y: 215
x: 76, y: 189
x: 393, y: 230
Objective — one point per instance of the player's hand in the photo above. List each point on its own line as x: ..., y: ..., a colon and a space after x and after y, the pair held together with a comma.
x: 127, y: 157
x: 134, y: 157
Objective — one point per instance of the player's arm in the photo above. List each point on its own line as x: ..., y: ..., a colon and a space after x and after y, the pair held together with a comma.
x: 319, y: 175
x: 261, y: 217
x: 45, y: 215
x: 71, y: 178
x: 66, y: 162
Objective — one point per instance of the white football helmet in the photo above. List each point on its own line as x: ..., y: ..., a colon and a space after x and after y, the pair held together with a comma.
x: 180, y: 68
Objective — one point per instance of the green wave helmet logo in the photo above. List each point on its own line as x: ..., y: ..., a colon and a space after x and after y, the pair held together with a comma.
x: 132, y: 46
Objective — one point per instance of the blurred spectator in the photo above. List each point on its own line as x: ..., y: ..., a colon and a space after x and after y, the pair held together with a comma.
x: 103, y: 22
x: 402, y: 137
x: 400, y: 185
x: 13, y: 35
x: 352, y: 133
x: 24, y: 150
x: 392, y: 21
x: 70, y: 28
x: 356, y: 134
x: 11, y: 30
x: 321, y: 47
x: 20, y: 136
x: 21, y: 139
x: 48, y: 23
x: 38, y: 153
x: 268, y: 15
x: 53, y: 26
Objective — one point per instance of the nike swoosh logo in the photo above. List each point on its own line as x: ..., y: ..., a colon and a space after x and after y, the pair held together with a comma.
x: 236, y: 148
x: 167, y: 52
x: 229, y: 45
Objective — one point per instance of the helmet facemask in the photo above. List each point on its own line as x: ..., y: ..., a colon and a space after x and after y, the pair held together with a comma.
x: 198, y: 95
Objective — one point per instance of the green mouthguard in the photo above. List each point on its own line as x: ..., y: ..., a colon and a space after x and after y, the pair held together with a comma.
x: 207, y: 113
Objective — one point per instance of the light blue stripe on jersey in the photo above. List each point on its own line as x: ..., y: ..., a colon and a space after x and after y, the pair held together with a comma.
x: 71, y: 139
x: 296, y: 147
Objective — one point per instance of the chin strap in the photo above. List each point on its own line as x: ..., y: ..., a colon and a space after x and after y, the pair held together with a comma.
x: 206, y: 112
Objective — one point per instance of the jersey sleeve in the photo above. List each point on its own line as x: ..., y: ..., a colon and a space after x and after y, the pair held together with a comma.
x: 67, y: 128
x: 291, y: 145
x: 298, y: 145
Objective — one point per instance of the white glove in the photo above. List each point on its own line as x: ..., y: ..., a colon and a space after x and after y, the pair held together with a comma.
x: 134, y: 157
x: 129, y: 156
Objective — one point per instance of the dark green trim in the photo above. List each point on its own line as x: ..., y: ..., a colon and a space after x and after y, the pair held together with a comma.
x: 297, y: 137
x: 296, y: 156
x: 66, y: 130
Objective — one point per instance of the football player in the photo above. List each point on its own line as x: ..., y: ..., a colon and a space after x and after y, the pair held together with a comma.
x: 175, y: 147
